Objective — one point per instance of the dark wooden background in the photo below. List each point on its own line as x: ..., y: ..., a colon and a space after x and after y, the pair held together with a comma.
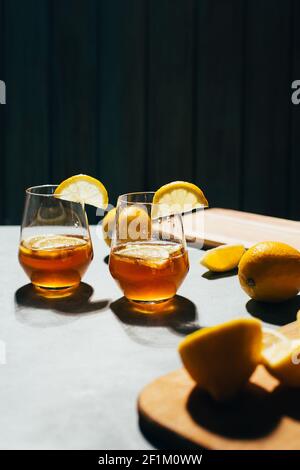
x: 142, y: 92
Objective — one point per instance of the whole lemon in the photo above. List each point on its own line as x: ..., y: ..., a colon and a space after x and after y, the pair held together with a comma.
x: 270, y: 271
x: 134, y: 224
x: 108, y: 225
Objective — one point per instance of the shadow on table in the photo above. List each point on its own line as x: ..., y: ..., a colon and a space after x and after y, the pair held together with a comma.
x: 29, y: 303
x: 210, y: 276
x: 163, y: 439
x: 277, y: 314
x: 178, y: 315
x: 250, y: 415
x: 253, y: 415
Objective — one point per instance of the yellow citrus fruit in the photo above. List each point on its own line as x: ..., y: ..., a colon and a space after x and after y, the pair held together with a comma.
x: 83, y: 189
x: 271, y: 336
x: 223, y: 258
x: 108, y: 225
x: 134, y: 224
x: 222, y: 358
x: 178, y: 197
x: 282, y: 359
x: 298, y: 321
x: 270, y: 272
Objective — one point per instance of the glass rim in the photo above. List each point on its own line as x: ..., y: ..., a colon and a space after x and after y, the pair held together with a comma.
x: 31, y: 189
x: 123, y: 197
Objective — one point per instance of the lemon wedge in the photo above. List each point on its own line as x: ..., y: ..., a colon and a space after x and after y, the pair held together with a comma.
x: 178, y: 197
x: 223, y: 258
x: 83, y: 189
x: 281, y: 357
x: 271, y: 337
x: 222, y: 358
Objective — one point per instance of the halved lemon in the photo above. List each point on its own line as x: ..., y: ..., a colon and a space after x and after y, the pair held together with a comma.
x: 272, y: 337
x: 222, y: 358
x: 223, y: 258
x: 282, y: 359
x: 178, y: 197
x: 83, y: 189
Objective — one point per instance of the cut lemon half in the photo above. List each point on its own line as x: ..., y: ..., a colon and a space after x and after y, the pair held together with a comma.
x: 222, y: 358
x: 271, y: 337
x: 178, y: 197
x: 223, y: 258
x: 282, y: 360
x: 83, y: 189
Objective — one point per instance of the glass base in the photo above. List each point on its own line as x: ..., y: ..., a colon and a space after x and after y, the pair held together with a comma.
x: 150, y: 302
x: 150, y: 306
x: 55, y: 292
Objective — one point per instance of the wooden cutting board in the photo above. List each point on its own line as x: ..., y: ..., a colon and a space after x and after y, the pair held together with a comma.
x: 219, y: 226
x: 173, y: 413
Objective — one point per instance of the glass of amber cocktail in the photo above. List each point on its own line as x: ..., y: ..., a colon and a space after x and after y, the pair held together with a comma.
x: 148, y: 255
x: 55, y: 246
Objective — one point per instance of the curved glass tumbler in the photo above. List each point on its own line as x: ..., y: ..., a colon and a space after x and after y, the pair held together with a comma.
x: 55, y: 245
x: 148, y: 257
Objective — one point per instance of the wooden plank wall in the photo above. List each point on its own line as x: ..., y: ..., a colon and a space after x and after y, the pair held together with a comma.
x: 143, y: 92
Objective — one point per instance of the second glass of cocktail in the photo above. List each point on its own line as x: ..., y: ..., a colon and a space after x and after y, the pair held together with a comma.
x: 148, y: 255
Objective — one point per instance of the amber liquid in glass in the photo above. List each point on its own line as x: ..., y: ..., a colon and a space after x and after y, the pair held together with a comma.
x: 55, y: 261
x: 149, y: 271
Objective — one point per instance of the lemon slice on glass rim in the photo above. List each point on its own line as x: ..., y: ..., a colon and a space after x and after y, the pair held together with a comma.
x: 178, y: 197
x: 83, y: 189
